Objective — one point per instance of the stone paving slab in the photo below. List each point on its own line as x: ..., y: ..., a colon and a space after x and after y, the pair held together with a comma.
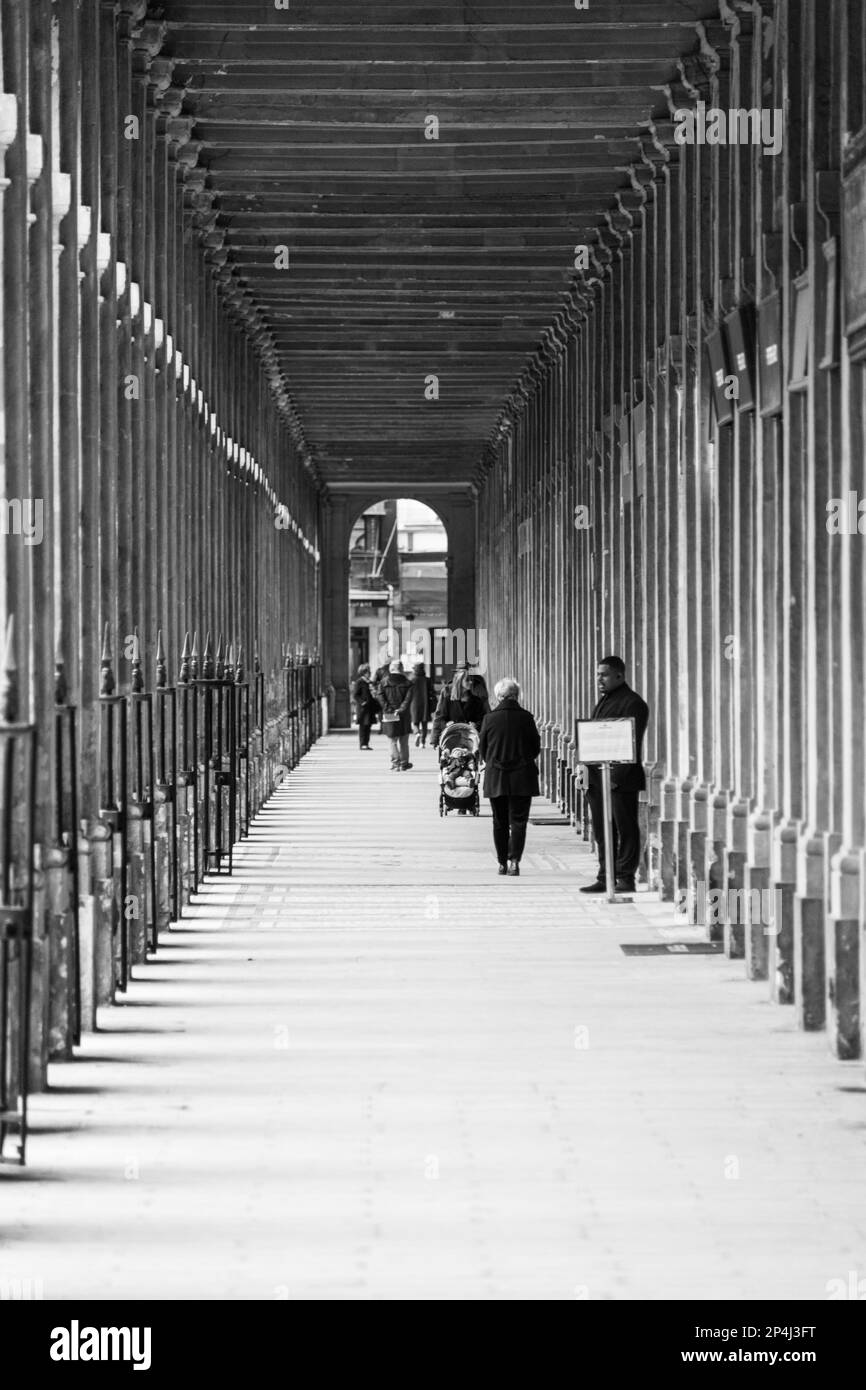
x: 367, y: 1067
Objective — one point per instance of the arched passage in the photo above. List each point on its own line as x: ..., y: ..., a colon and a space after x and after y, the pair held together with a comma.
x: 340, y: 512
x: 398, y: 585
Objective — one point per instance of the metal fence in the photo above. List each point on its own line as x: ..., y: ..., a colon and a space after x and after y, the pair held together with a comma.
x: 184, y: 768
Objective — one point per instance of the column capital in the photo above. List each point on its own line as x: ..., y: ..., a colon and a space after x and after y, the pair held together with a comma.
x: 693, y: 77
x: 714, y: 55
x: 146, y: 43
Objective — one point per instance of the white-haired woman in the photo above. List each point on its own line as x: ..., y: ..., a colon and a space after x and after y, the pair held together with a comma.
x: 510, y: 744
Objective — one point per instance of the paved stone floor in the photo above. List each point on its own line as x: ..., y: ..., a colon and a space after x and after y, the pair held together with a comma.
x: 366, y: 1067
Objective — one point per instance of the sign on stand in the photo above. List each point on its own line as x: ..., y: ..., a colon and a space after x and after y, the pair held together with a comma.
x: 602, y: 742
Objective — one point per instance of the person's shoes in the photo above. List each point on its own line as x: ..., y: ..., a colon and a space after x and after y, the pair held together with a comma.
x: 406, y: 767
x: 417, y: 740
x: 626, y: 885
x: 514, y: 869
x: 503, y: 868
x: 598, y: 887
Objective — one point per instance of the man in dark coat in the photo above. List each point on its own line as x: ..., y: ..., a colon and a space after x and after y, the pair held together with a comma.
x: 510, y: 744
x: 618, y: 701
x: 419, y: 705
x: 366, y: 706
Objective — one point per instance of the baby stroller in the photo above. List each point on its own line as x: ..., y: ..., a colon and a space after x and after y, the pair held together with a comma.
x: 459, y: 770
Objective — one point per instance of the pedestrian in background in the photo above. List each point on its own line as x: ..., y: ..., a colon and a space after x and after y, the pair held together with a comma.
x: 366, y: 706
x: 395, y: 694
x: 419, y: 706
x: 464, y: 702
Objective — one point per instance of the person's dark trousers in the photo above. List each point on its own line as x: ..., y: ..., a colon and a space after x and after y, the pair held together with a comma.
x: 626, y: 830
x: 510, y: 815
x: 365, y: 724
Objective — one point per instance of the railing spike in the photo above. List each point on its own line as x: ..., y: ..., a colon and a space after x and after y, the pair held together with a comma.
x: 61, y: 685
x: 239, y: 668
x: 161, y: 670
x: 194, y: 657
x: 106, y: 679
x: 183, y: 675
x: 207, y: 666
x: 137, y: 677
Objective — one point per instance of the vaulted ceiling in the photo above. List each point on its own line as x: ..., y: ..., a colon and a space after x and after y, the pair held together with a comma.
x: 411, y: 257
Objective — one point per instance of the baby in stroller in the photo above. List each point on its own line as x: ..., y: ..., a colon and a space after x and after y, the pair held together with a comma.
x: 459, y: 771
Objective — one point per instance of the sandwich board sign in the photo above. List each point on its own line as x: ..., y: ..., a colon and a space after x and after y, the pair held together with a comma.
x: 606, y: 741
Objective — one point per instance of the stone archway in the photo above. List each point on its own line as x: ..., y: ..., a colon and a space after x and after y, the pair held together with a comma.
x: 339, y: 513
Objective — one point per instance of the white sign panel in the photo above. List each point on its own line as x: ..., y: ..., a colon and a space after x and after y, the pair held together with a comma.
x: 605, y: 741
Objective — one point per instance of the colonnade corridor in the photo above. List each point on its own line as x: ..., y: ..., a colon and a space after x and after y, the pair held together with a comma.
x: 365, y: 1066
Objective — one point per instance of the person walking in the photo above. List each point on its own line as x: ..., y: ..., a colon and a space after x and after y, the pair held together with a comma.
x: 366, y: 706
x: 465, y: 701
x: 510, y: 744
x: 395, y: 694
x: 617, y: 701
x: 419, y: 705
x: 379, y: 675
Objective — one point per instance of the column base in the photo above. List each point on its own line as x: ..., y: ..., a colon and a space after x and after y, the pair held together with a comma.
x: 340, y: 711
x: 809, y: 971
x: 780, y: 941
x: 780, y: 945
x: 757, y: 880
x: 842, y: 955
x: 733, y: 931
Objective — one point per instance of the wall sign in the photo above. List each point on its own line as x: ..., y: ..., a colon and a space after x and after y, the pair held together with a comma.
x: 799, y: 377
x: 854, y: 259
x: 740, y: 330
x: 720, y: 373
x: 770, y: 355
x: 638, y: 425
x: 830, y: 357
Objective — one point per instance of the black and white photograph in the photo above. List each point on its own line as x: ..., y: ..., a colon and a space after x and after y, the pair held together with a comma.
x: 480, y: 385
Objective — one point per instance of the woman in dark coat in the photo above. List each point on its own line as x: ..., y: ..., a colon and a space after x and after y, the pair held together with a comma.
x: 510, y: 744
x: 395, y: 693
x: 465, y: 702
x: 366, y: 706
x: 419, y: 705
